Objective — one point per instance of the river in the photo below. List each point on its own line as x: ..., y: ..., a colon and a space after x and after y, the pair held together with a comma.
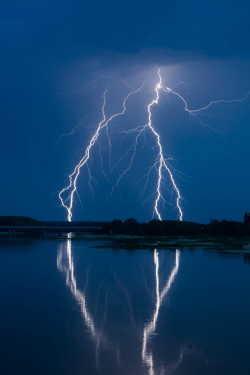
x: 69, y: 307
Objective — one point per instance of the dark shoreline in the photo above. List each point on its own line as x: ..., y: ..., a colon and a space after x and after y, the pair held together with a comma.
x: 141, y: 242
x: 227, y: 235
x: 146, y: 242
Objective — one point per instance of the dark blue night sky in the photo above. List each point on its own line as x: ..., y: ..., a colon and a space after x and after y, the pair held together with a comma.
x: 50, y: 50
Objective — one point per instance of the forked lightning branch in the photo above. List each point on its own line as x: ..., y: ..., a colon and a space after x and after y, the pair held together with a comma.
x: 161, y: 164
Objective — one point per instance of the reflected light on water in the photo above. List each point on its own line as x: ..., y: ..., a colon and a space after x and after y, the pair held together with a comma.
x: 149, y: 329
x: 66, y: 266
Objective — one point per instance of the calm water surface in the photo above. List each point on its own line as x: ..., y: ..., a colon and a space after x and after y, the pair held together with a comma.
x: 69, y: 309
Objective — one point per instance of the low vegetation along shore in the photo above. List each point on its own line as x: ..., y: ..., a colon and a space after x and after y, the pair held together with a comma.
x: 143, y: 242
x: 130, y: 234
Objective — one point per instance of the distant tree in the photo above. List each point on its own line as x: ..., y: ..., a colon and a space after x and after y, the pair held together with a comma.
x: 19, y: 220
x: 130, y: 221
x: 214, y: 221
x: 249, y: 217
x: 131, y: 225
x: 116, y: 224
x: 246, y: 218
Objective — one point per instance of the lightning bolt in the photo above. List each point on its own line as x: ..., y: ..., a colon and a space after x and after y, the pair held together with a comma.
x: 74, y: 176
x: 161, y: 163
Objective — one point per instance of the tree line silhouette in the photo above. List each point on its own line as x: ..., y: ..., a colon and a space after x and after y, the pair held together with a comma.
x: 177, y: 228
x: 247, y: 218
x: 152, y: 228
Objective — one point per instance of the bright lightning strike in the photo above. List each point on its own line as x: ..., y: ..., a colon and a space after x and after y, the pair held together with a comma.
x: 161, y: 164
x: 74, y: 176
x: 162, y: 161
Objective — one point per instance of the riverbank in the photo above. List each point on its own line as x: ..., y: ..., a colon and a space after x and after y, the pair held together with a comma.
x: 149, y: 242
x: 140, y: 242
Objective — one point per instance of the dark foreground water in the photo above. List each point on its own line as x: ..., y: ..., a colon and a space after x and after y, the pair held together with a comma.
x: 69, y: 309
